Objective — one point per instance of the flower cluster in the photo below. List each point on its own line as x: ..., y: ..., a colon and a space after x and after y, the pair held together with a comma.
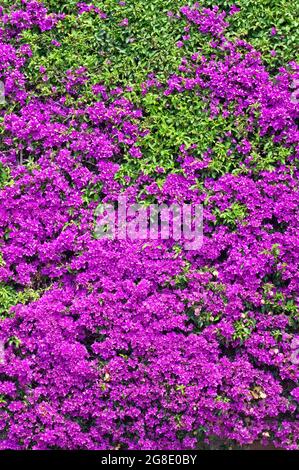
x: 144, y: 345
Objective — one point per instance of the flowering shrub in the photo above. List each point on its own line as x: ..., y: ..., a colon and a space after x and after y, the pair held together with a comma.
x: 143, y: 345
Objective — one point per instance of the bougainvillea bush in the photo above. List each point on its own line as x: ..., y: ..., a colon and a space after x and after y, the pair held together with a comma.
x: 122, y: 344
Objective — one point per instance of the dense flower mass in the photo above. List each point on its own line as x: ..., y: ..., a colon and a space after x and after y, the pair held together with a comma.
x: 124, y: 344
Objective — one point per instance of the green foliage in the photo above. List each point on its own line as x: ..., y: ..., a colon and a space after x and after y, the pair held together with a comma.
x: 124, y: 56
x: 92, y: 193
x: 255, y: 21
x: 232, y: 215
x: 4, y: 177
x: 243, y: 328
x: 111, y: 52
x: 202, y: 318
x: 10, y: 297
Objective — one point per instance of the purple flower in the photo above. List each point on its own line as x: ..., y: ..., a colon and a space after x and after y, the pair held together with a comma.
x: 124, y: 22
